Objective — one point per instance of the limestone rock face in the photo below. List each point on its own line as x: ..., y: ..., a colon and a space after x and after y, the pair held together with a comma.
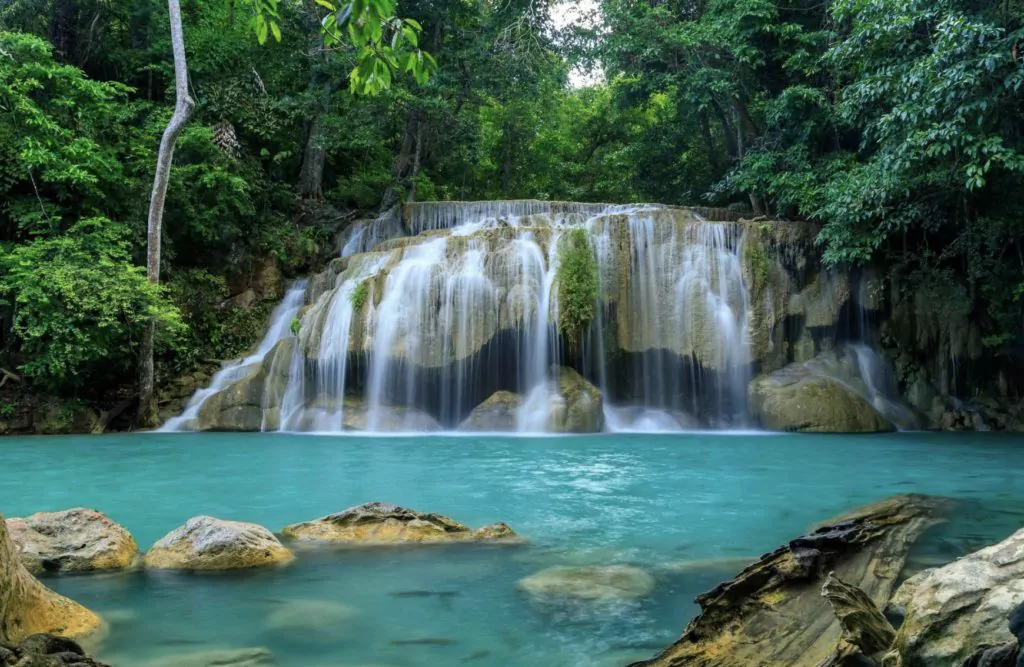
x: 240, y: 406
x: 58, y: 419
x: 952, y: 611
x: 75, y: 540
x: 498, y: 413
x: 581, y: 409
x: 383, y: 523
x: 27, y: 607
x: 773, y: 613
x: 207, y: 543
x: 596, y: 584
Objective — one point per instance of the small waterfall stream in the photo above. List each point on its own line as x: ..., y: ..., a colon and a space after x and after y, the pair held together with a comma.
x: 433, y: 308
x: 280, y: 327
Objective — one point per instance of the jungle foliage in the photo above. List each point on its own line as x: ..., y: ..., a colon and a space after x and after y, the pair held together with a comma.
x: 895, y: 123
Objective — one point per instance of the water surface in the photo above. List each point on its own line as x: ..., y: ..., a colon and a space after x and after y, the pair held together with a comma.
x: 652, y: 501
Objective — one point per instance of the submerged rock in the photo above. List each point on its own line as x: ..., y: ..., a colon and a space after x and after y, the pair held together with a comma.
x: 773, y: 612
x: 594, y: 583
x: 383, y: 523
x: 27, y: 607
x: 208, y: 543
x: 311, y: 619
x: 75, y: 540
x: 244, y: 657
x: 498, y: 413
x: 952, y: 611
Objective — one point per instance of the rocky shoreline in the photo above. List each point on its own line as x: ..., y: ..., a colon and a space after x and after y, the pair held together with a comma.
x: 835, y: 597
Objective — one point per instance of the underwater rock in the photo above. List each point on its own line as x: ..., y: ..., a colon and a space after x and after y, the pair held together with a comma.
x: 311, y: 620
x: 952, y: 611
x: 43, y: 650
x: 591, y: 583
x: 27, y: 607
x: 74, y: 540
x: 773, y: 614
x: 208, y: 543
x: 498, y: 413
x: 244, y: 657
x: 827, y: 395
x: 383, y: 523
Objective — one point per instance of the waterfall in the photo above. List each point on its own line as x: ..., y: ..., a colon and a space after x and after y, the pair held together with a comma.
x: 280, y: 327
x: 436, y: 308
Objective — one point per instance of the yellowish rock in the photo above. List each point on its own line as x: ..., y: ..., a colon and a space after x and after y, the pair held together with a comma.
x: 208, y: 543
x: 383, y: 523
x: 27, y: 607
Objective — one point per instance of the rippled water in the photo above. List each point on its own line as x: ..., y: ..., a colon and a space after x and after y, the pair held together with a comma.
x: 645, y: 500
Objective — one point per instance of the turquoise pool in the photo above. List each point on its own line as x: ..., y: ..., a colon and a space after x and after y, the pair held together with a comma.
x: 652, y: 501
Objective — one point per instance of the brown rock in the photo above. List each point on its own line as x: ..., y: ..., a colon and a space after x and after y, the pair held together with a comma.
x: 773, y: 615
x: 207, y: 543
x: 383, y: 523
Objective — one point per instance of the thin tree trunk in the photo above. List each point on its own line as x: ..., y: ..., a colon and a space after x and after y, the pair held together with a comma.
x: 311, y: 178
x: 415, y: 164
x: 183, y: 107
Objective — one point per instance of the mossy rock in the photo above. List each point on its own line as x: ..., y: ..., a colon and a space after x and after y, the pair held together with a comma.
x: 498, y: 413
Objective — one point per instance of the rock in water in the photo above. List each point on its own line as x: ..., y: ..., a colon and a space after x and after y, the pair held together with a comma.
x: 44, y: 650
x: 383, y: 523
x: 27, y: 607
x: 582, y: 407
x: 866, y: 631
x: 952, y: 611
x: 773, y: 614
x: 498, y: 413
x: 801, y: 397
x: 596, y: 584
x: 311, y: 620
x: 75, y: 540
x: 246, y: 657
x: 207, y: 543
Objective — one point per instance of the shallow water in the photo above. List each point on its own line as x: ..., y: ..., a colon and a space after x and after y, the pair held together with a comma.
x: 645, y: 500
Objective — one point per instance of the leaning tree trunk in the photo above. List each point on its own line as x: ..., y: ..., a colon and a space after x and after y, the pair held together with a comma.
x: 28, y: 607
x: 183, y: 106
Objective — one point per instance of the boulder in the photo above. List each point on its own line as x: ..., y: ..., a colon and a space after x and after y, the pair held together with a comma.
x: 383, y: 523
x: 63, y: 418
x: 867, y: 634
x: 27, y: 607
x: 773, y: 613
x: 578, y: 406
x: 499, y: 412
x: 823, y: 395
x: 952, y: 611
x: 595, y: 583
x: 75, y: 540
x: 207, y: 543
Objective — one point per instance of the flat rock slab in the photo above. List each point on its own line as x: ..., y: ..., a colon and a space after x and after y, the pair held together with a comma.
x: 208, y: 543
x: 773, y: 614
x: 74, y: 540
x: 383, y: 523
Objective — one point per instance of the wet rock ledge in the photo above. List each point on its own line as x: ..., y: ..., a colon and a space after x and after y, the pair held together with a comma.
x: 773, y: 613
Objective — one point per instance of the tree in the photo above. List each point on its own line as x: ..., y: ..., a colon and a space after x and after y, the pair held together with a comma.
x: 183, y: 107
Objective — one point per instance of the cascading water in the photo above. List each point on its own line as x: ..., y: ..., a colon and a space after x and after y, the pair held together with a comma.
x: 280, y: 327
x: 436, y: 310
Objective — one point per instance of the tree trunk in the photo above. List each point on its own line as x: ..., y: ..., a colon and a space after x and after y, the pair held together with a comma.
x: 415, y: 164
x: 28, y: 607
x: 182, y: 110
x: 311, y: 178
x: 401, y: 168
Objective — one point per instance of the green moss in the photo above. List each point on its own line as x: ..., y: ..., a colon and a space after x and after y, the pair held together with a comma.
x: 578, y: 282
x: 295, y: 326
x: 359, y: 295
x: 757, y: 260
